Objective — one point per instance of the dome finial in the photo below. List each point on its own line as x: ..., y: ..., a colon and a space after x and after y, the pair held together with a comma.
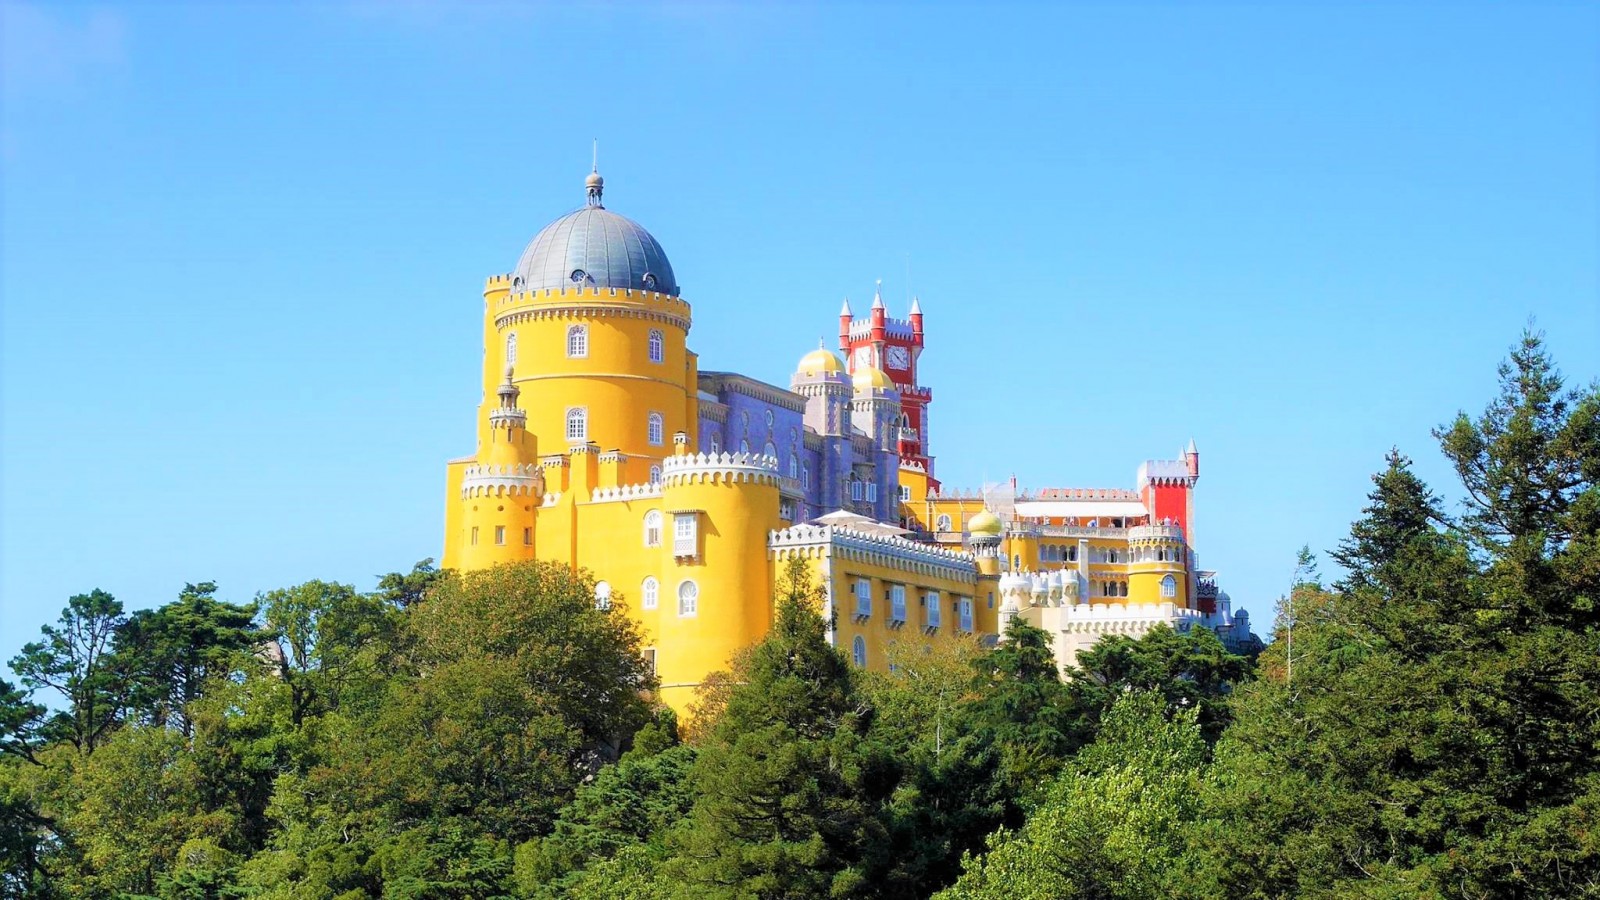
x: 594, y: 184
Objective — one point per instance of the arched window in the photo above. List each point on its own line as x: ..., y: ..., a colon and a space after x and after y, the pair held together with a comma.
x: 858, y: 649
x: 805, y: 476
x: 770, y: 450
x: 1169, y: 587
x: 655, y: 474
x: 744, y: 446
x: 649, y: 593
x: 715, y: 444
x: 652, y: 528
x: 653, y: 430
x: 511, y: 348
x: 577, y: 423
x: 943, y: 524
x: 578, y: 341
x: 1072, y: 553
x: 602, y: 595
x: 688, y: 599
x: 658, y: 346
x: 794, y: 466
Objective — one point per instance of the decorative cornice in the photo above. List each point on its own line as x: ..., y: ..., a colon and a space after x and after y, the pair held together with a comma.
x: 733, y: 382
x: 879, y: 549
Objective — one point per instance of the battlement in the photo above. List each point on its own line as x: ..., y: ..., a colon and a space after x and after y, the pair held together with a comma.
x: 496, y: 283
x: 522, y: 479
x: 1041, y: 588
x: 1132, y: 619
x: 517, y: 305
x: 692, y: 468
x: 895, y: 328
x: 624, y: 492
x: 1081, y: 494
x: 1165, y: 472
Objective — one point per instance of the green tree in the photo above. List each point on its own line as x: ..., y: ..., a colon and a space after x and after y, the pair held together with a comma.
x: 1112, y: 825
x: 168, y: 654
x: 787, y: 788
x: 321, y: 635
x: 1192, y: 670
x: 74, y: 659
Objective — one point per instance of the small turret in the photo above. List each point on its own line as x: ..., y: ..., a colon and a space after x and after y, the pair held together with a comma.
x: 845, y: 315
x: 916, y: 319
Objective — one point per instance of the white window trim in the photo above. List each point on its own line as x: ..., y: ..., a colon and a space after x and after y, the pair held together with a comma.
x: 657, y: 346
x: 655, y: 429
x: 688, y: 590
x: 649, y: 593
x: 579, y: 414
x: 578, y: 342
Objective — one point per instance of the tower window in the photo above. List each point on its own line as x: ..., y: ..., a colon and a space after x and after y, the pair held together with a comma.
x: 794, y: 466
x: 654, y: 430
x: 652, y: 528
x: 771, y: 451
x: 474, y: 535
x: 858, y: 650
x: 578, y: 342
x: 602, y: 595
x: 658, y: 346
x: 942, y: 524
x: 655, y: 474
x: 500, y: 535
x: 511, y: 348
x: 650, y: 593
x: 527, y: 536
x: 688, y: 599
x: 1169, y: 587
x: 578, y: 424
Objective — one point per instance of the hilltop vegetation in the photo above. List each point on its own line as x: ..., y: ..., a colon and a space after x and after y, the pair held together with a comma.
x: 1426, y: 725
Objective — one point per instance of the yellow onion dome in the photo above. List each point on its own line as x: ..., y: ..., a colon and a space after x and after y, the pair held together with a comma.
x: 868, y: 377
x: 820, y: 362
x: 985, y: 523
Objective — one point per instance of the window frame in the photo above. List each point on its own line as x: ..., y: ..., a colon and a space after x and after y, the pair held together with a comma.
x: 577, y: 342
x: 688, y: 599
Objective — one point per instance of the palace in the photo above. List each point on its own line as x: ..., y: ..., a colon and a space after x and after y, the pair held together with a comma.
x: 601, y: 444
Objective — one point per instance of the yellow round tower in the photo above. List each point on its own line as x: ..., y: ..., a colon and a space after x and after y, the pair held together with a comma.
x: 593, y: 321
x: 1157, y: 571
x: 717, y: 597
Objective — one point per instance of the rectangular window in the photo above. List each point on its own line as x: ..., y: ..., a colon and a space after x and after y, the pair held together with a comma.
x: 872, y: 492
x: 786, y: 510
x: 500, y: 535
x: 964, y: 605
x: 527, y: 536
x: 931, y: 604
x: 864, y: 597
x: 650, y: 659
x: 905, y: 493
x: 855, y: 490
x: 897, y: 603
x: 685, y: 534
x: 474, y: 535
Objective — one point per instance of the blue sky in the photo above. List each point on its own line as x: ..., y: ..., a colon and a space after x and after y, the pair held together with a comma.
x: 243, y: 247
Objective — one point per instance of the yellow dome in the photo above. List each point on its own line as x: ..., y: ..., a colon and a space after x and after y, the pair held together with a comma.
x: 872, y: 377
x: 820, y: 362
x: 985, y: 523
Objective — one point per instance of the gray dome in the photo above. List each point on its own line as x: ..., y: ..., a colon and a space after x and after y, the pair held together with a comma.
x: 594, y: 247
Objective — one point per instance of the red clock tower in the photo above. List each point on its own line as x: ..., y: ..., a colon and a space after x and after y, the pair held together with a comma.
x: 893, y: 345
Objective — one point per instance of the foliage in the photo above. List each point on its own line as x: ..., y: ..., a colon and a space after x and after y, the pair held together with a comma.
x: 1425, y: 725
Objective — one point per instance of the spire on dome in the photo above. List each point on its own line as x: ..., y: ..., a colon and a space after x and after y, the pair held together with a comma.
x: 594, y: 184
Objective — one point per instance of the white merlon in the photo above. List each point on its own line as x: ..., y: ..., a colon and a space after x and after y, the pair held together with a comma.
x: 501, y: 480
x: 726, y: 467
x: 626, y: 492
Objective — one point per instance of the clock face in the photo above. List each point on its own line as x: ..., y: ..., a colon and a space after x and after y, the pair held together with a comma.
x: 863, y: 356
x: 899, y: 358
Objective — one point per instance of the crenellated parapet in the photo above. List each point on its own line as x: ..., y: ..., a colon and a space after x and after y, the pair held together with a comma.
x: 511, y: 480
x: 517, y: 306
x: 1133, y: 619
x: 626, y: 492
x: 1058, y: 588
x: 696, y: 468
